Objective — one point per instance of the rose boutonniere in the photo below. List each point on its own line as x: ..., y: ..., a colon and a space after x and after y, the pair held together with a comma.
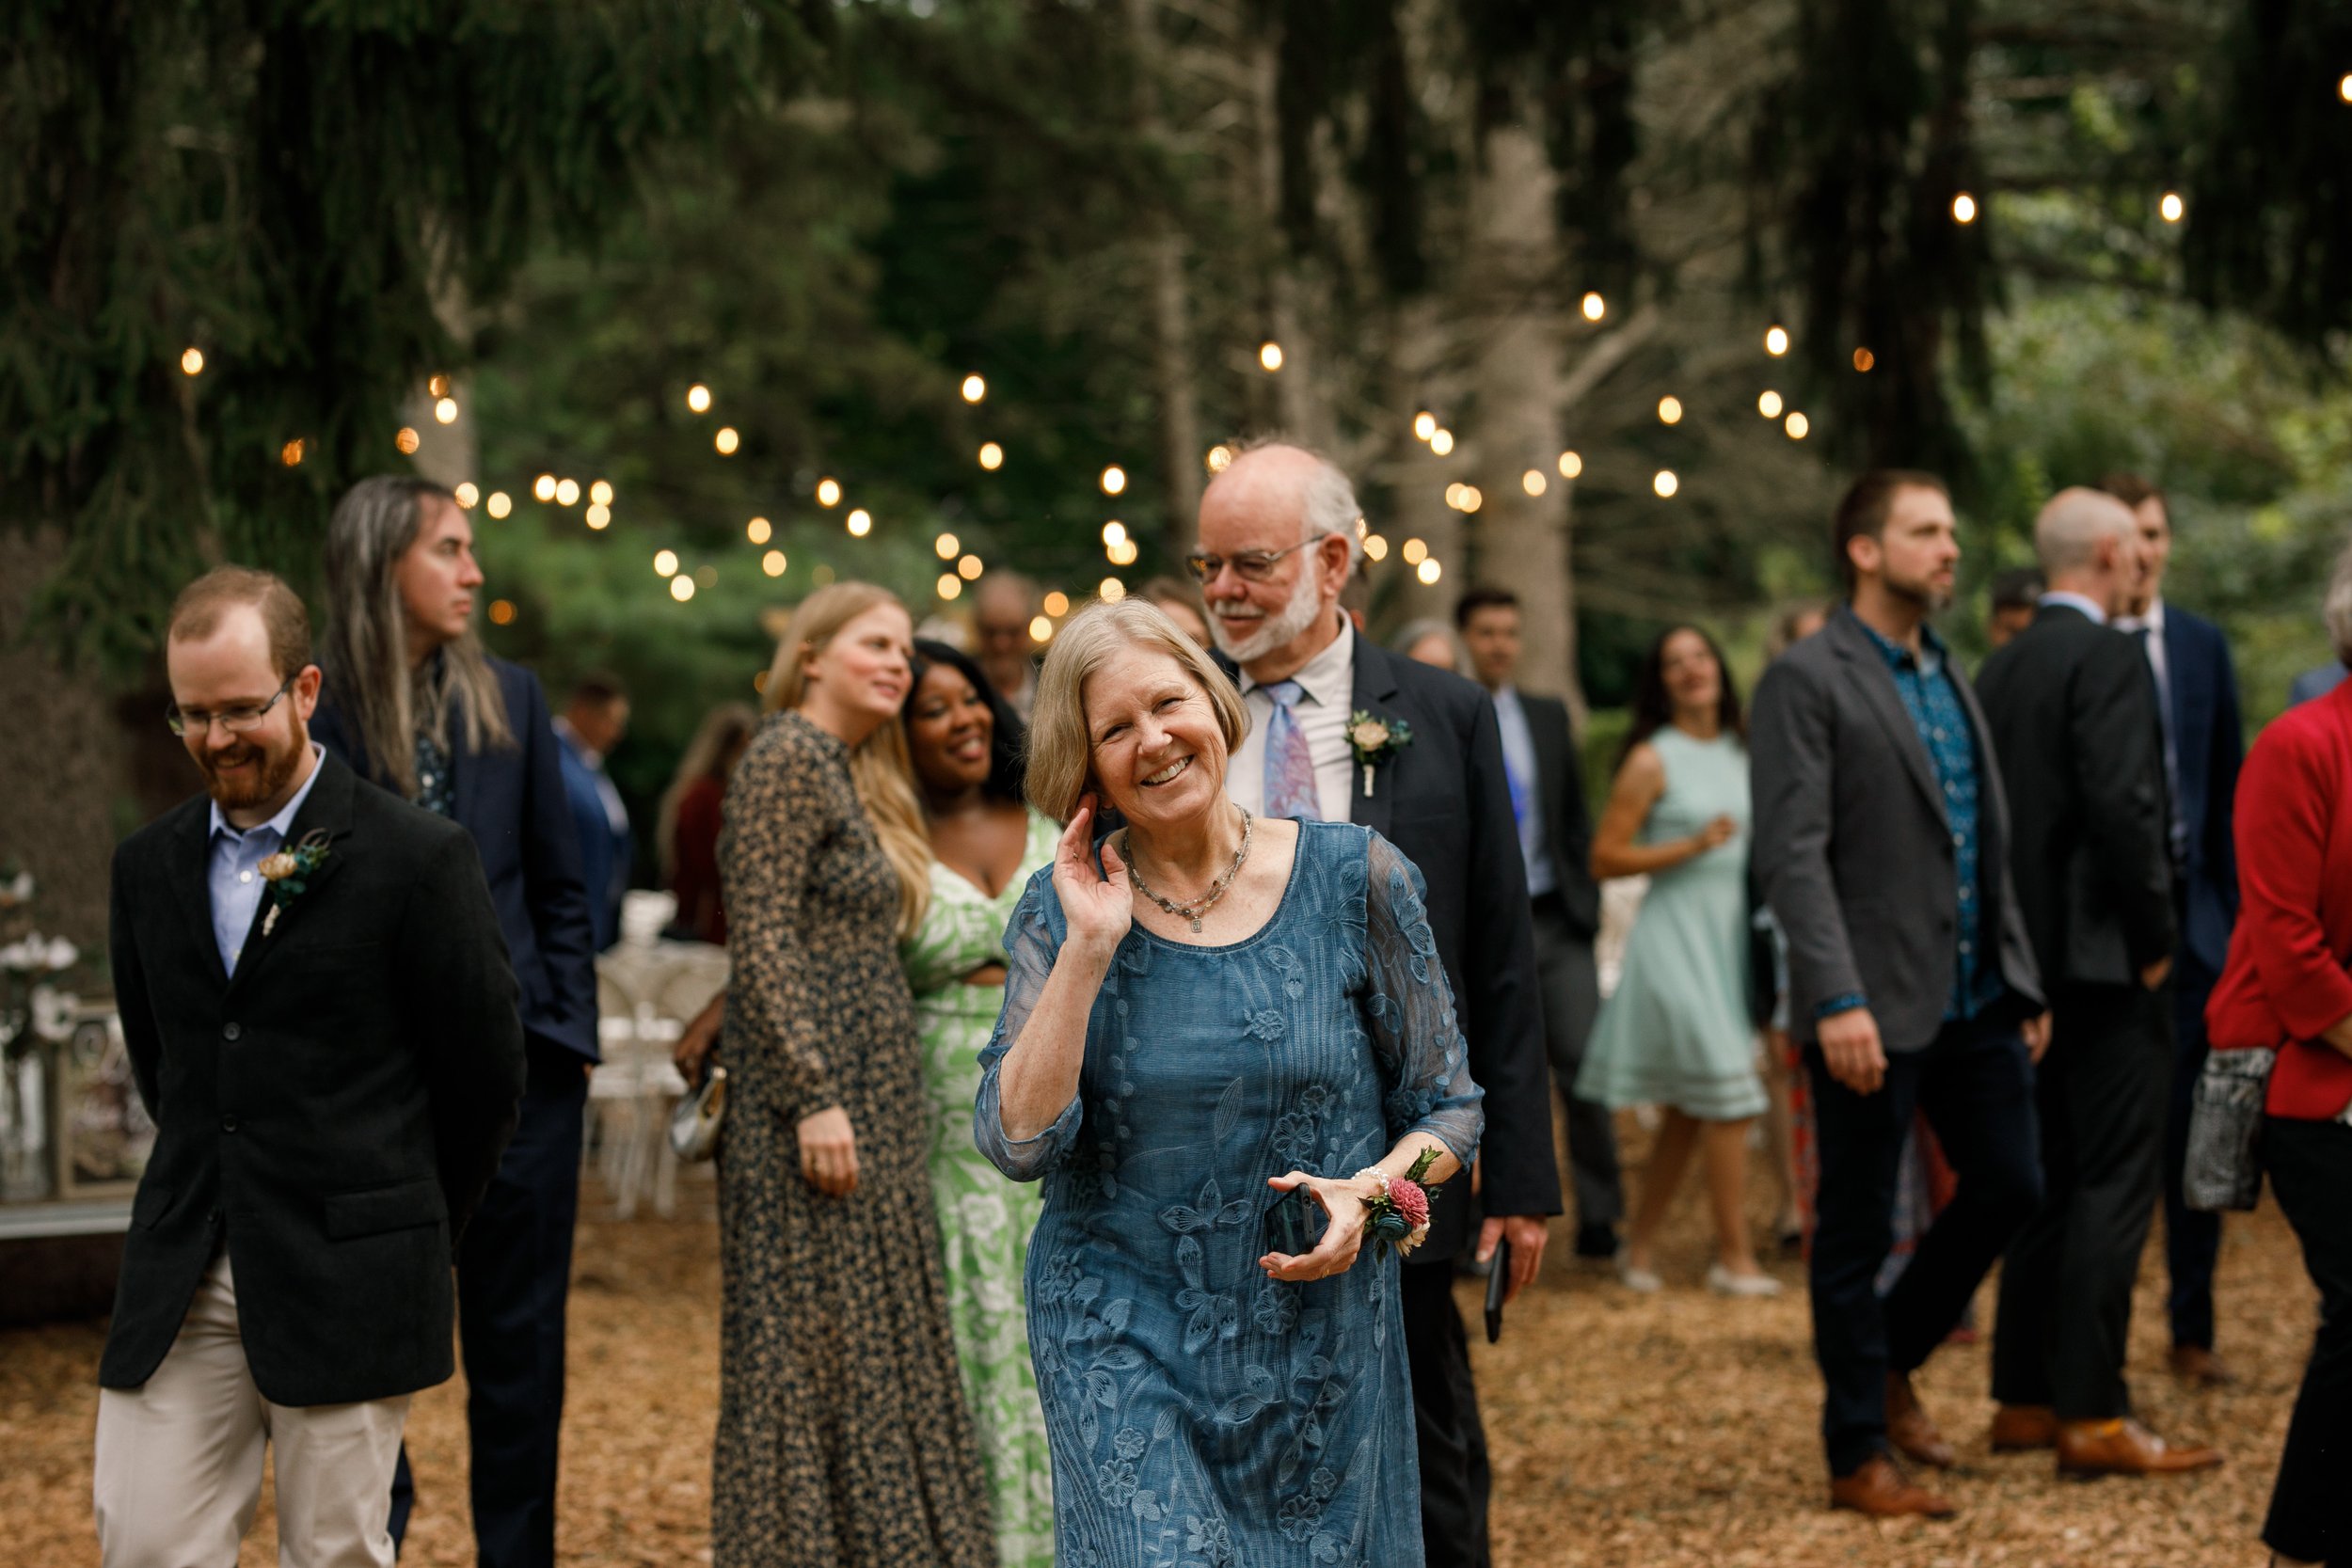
x: 1374, y: 740
x: 1400, y: 1215
x: 288, y: 872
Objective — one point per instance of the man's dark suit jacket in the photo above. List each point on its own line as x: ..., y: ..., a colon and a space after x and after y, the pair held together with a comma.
x: 1445, y: 801
x: 2074, y: 714
x: 1567, y: 824
x: 333, y: 1110
x: 2209, y: 742
x: 1853, y: 848
x: 512, y: 802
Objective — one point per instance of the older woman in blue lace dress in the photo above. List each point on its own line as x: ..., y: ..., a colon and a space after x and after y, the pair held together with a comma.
x: 1221, y: 1036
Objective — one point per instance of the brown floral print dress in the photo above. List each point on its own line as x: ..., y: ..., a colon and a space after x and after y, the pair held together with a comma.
x: 843, y: 1440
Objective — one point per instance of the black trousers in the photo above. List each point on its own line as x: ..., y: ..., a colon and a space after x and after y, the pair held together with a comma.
x: 514, y: 1277
x: 2065, y: 1309
x: 2311, y: 1171
x: 2192, y: 1237
x: 1974, y: 1084
x: 1570, y: 991
x: 1454, y: 1479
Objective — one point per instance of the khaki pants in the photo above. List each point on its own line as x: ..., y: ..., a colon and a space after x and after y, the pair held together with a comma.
x: 178, y: 1467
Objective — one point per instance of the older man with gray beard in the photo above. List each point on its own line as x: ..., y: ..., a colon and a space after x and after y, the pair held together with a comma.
x: 1343, y: 730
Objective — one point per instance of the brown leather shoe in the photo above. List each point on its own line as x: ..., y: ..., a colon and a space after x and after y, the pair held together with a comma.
x: 2121, y: 1446
x: 2199, y: 1368
x: 2019, y: 1427
x: 1880, y: 1490
x: 1911, y: 1429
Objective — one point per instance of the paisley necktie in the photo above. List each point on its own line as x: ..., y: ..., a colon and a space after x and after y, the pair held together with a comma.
x: 1290, y: 772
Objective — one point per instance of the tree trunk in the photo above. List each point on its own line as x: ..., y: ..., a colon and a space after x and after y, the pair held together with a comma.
x: 1180, y: 452
x: 1521, y: 539
x: 1416, y: 477
x: 1296, y: 411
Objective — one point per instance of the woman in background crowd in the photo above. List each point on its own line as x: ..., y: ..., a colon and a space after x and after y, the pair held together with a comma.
x: 2285, y: 988
x: 1675, y: 1032
x: 843, y: 1438
x: 1431, y: 641
x: 964, y: 743
x: 687, y: 836
x: 1784, y: 1077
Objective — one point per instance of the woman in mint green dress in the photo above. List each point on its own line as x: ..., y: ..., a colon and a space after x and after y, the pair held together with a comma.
x: 1676, y: 1032
x: 964, y: 743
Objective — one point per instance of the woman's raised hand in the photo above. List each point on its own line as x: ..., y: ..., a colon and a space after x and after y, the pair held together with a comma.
x: 1099, y: 907
x: 1340, y: 1199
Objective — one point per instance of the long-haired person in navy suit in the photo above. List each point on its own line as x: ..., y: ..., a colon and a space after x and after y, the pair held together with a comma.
x: 415, y: 704
x: 2204, y: 742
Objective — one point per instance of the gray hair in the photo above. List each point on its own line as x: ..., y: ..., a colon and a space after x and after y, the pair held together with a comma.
x: 1410, y: 634
x: 1328, y: 503
x: 2337, y: 607
x: 368, y: 667
x: 2067, y: 534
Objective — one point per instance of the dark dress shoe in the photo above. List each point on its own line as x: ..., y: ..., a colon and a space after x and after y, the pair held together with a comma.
x: 2019, y: 1427
x: 1911, y: 1429
x: 1597, y: 1240
x: 1880, y: 1490
x: 2121, y: 1446
x: 2196, y: 1366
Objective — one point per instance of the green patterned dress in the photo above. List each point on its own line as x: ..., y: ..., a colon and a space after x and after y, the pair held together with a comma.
x: 984, y: 1220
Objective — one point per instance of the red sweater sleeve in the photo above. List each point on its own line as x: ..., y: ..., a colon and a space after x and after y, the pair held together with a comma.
x: 2285, y: 800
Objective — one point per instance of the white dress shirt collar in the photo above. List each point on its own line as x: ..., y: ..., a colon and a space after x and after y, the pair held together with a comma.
x: 1329, y: 678
x: 2075, y: 601
x: 284, y: 819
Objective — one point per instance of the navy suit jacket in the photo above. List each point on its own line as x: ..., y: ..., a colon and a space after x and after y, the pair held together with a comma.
x: 605, y: 851
x: 512, y: 802
x: 2209, y: 741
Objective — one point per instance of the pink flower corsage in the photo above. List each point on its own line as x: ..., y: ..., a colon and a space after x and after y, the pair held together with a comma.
x: 1400, y: 1215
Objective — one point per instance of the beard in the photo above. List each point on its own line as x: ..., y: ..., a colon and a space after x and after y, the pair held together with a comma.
x: 1931, y: 600
x: 260, y: 784
x: 1277, y: 630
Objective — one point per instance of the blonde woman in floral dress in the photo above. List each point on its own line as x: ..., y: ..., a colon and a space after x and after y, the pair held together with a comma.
x: 963, y: 741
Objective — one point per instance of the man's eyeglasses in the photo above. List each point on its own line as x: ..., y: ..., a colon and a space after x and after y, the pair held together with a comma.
x: 1250, y: 565
x: 241, y: 720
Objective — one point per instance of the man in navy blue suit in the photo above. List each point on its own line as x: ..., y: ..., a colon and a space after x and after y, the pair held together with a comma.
x: 413, y: 703
x: 594, y: 721
x: 2204, y: 744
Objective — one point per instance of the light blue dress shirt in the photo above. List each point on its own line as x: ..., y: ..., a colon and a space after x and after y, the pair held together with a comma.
x: 234, y: 870
x: 1519, y: 767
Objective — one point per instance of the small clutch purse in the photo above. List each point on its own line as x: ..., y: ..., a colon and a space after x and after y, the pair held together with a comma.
x: 695, y: 1125
x: 2224, y: 1167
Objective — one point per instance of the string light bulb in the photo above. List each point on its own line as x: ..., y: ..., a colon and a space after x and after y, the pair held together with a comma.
x: 827, y: 492
x: 436, y: 387
x: 666, y: 562
x: 1111, y: 590
x: 1797, y: 425
x: 1375, y: 546
x: 1664, y: 483
x: 407, y: 440
x: 726, y: 440
x: 2171, y: 207
x: 1058, y: 603
x: 1442, y: 441
x: 682, y: 588
x: 543, y: 488
x: 945, y: 546
x: 1595, y: 306
x: 1472, y: 497
x: 2343, y: 88
x: 949, y: 586
x: 1963, y: 208
x: 759, y: 530
x: 975, y: 389
x: 1414, y: 552
x: 601, y: 492
x: 1776, y: 340
x: 1218, y: 457
x: 1123, y: 553
x: 1040, y: 629
x: 469, y: 495
x: 445, y: 411
x: 698, y: 398
x: 1670, y: 410
x: 1114, y: 480
x: 1114, y: 535
x: 773, y: 564
x: 192, y: 361
x: 860, y: 522
x: 567, y: 492
x: 596, y: 516
x: 291, y: 454
x: 1270, y: 356
x: 1767, y: 404
x: 1864, y: 359
x: 969, y: 568
x: 1571, y: 465
x: 1533, y: 482
x: 501, y: 613
x: 499, y: 504
x: 1424, y: 425
x: 1429, y: 571
x: 991, y: 456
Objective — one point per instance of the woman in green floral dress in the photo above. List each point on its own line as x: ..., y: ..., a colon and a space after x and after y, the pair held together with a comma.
x: 964, y: 741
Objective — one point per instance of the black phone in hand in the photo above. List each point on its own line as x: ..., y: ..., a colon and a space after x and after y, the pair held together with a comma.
x: 1294, y: 1223
x: 1498, y: 1284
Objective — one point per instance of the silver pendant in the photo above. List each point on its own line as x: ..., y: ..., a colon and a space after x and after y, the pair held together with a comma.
x: 1196, y: 925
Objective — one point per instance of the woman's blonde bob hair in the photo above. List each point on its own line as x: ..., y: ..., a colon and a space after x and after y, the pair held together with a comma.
x: 1060, y: 759
x: 879, y: 766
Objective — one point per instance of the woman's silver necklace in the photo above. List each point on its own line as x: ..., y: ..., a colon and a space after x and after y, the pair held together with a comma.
x: 1207, y: 901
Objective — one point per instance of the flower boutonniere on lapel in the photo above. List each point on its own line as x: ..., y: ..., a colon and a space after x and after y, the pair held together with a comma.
x: 1374, y: 740
x: 288, y: 872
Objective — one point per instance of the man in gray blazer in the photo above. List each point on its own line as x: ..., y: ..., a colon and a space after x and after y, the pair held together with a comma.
x: 1881, y: 838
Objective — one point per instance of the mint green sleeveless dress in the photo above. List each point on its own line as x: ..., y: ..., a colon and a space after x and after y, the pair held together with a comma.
x: 984, y: 1219
x: 1676, y: 1031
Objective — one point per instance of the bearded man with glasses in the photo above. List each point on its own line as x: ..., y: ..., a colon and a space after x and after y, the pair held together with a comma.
x: 322, y: 1021
x: 1278, y: 543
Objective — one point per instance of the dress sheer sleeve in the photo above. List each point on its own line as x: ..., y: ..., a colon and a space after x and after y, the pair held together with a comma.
x: 1030, y: 947
x: 778, y: 811
x: 1409, y: 1009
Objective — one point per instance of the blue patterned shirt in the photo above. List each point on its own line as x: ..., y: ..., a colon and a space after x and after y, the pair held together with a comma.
x: 1924, y: 683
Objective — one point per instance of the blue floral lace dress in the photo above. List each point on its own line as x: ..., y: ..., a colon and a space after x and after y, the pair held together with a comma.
x: 1199, y: 1414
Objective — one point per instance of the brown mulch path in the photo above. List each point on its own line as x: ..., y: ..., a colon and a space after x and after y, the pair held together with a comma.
x: 1673, y: 1430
